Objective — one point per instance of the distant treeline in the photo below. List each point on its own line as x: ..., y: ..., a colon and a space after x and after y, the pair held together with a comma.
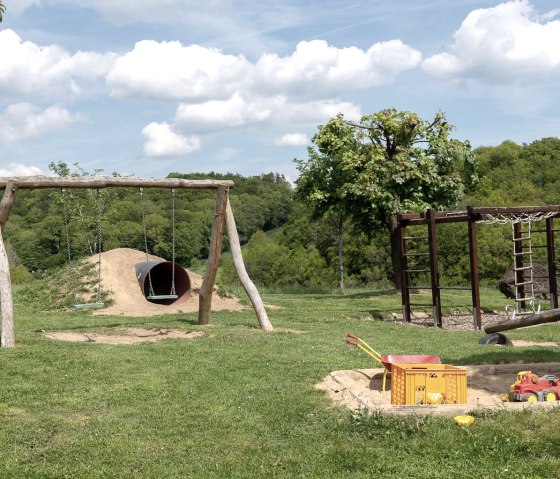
x: 283, y: 245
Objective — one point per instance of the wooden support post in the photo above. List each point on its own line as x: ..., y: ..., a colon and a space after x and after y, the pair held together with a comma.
x: 8, y: 338
x: 248, y: 285
x: 207, y: 287
x: 434, y: 267
x: 551, y: 256
x: 405, y: 294
x: 473, y: 255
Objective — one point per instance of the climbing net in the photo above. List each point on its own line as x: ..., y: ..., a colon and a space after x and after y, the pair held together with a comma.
x: 512, y: 218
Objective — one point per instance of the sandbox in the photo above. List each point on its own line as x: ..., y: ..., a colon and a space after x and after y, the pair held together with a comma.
x: 486, y: 384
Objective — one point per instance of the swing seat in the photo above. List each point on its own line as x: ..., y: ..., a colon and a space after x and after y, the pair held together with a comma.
x: 88, y: 306
x: 161, y: 297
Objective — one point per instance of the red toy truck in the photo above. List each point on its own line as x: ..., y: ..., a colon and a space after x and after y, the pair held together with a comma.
x: 529, y: 387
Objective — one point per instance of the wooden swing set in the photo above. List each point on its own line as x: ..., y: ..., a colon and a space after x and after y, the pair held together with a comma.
x: 223, y: 215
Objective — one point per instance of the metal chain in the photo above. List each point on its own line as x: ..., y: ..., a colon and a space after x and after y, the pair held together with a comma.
x: 67, y: 233
x: 173, y: 292
x: 99, y: 239
x: 151, y: 290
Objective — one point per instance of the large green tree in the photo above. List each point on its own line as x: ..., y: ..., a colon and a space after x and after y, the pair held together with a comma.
x: 2, y: 10
x: 390, y: 162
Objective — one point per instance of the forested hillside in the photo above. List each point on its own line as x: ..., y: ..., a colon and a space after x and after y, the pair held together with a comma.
x: 283, y: 244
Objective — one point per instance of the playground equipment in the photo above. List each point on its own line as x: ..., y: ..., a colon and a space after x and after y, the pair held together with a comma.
x: 150, y: 294
x: 532, y: 388
x: 522, y: 251
x: 98, y: 303
x: 222, y: 215
x: 388, y: 360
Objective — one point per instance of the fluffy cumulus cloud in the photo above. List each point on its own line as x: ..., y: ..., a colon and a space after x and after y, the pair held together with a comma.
x: 163, y: 141
x: 316, y: 68
x: 242, y: 111
x: 171, y: 71
x: 504, y: 44
x: 19, y: 169
x: 28, y: 69
x: 23, y: 121
x: 293, y: 139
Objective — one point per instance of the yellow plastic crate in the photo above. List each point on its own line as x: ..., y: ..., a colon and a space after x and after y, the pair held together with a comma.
x: 413, y: 384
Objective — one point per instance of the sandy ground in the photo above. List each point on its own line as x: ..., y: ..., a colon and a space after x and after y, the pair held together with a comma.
x: 126, y: 336
x: 118, y: 278
x: 361, y: 389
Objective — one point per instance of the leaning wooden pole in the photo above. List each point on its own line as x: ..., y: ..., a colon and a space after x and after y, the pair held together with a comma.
x: 551, y: 316
x: 207, y: 287
x: 8, y: 337
x: 248, y: 285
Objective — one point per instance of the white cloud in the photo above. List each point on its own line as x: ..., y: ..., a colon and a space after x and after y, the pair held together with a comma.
x: 163, y: 141
x: 19, y: 169
x: 171, y: 71
x: 48, y: 71
x: 505, y: 44
x: 318, y: 69
x: 23, y: 121
x: 239, y: 111
x: 293, y: 139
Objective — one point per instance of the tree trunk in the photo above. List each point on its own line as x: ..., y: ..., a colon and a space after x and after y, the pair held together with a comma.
x: 340, y: 232
x: 395, y: 252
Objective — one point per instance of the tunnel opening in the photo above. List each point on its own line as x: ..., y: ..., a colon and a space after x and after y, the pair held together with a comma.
x: 161, y: 275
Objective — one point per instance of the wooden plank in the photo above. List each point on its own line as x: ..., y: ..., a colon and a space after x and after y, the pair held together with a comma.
x: 214, y: 252
x: 248, y: 285
x: 37, y: 182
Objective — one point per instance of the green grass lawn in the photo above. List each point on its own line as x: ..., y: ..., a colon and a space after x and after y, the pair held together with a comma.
x: 241, y: 403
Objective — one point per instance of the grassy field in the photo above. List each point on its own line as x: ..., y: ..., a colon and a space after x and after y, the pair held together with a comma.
x: 240, y: 403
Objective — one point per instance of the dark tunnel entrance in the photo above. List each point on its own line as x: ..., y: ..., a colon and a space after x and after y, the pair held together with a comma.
x: 160, y: 273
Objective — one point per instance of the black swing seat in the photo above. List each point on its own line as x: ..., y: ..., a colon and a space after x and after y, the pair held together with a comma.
x: 161, y: 297
x: 88, y: 306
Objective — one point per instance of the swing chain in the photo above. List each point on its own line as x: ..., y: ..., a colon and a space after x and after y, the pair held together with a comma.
x: 151, y: 290
x: 67, y: 233
x: 173, y: 292
x: 98, y: 232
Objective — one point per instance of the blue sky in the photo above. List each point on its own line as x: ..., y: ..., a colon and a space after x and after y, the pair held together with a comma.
x: 148, y: 87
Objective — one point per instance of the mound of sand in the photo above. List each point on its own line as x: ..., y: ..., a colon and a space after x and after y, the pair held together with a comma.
x: 361, y: 389
x: 126, y: 336
x: 118, y: 278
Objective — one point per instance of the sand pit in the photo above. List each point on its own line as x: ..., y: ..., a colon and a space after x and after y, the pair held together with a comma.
x: 361, y: 389
x: 119, y: 280
x: 126, y: 336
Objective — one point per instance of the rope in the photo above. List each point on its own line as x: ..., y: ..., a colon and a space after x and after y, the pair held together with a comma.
x: 151, y: 287
x: 511, y: 218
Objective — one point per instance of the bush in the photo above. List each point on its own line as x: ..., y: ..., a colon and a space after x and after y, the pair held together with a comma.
x: 20, y: 275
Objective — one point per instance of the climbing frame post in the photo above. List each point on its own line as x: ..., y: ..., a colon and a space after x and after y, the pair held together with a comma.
x: 207, y: 287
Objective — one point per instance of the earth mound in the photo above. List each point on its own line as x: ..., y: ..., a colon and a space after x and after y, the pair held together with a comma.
x: 119, y: 281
